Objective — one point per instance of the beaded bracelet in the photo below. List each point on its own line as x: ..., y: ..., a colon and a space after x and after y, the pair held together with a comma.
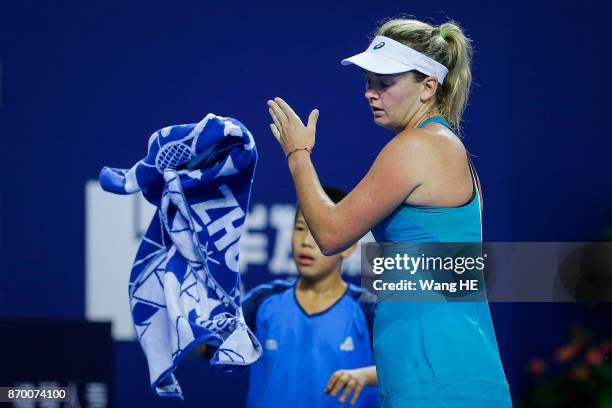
x: 295, y: 150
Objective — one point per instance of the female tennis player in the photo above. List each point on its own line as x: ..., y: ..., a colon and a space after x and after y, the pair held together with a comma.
x: 422, y: 187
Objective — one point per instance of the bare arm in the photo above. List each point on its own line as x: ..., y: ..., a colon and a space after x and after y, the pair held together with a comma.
x: 391, y: 179
x: 396, y: 172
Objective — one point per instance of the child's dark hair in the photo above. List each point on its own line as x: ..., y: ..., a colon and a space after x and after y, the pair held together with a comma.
x: 335, y: 194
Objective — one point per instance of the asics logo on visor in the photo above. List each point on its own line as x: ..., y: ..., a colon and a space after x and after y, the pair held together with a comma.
x: 379, y: 45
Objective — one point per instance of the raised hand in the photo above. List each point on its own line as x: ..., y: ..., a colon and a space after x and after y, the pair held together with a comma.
x: 288, y: 128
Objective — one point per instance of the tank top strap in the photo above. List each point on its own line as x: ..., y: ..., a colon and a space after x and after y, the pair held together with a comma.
x: 440, y: 120
x: 473, y: 174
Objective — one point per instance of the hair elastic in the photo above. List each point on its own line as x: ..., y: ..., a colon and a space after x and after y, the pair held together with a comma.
x: 295, y: 150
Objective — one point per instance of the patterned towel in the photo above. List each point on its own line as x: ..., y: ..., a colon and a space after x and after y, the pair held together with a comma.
x: 184, y: 284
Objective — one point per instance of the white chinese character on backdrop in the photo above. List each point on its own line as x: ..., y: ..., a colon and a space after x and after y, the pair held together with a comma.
x: 254, y: 245
x: 282, y: 218
x: 96, y: 395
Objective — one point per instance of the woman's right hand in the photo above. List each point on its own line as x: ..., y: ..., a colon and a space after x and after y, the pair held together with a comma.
x: 288, y: 128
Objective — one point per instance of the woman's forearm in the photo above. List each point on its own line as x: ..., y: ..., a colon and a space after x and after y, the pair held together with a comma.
x: 314, y: 203
x: 324, y: 219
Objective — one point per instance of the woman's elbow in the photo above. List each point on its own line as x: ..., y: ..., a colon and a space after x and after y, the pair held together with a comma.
x: 328, y: 251
x: 330, y: 246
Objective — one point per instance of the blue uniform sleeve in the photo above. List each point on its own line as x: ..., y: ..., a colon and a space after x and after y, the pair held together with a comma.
x: 256, y: 296
x: 367, y: 302
x: 368, y: 311
x: 249, y: 308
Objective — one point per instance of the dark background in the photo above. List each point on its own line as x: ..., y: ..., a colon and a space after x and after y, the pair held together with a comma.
x: 84, y: 84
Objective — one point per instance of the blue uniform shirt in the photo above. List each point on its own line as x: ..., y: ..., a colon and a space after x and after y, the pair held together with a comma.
x: 302, y: 351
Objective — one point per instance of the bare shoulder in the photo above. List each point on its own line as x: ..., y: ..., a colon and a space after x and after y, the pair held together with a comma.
x: 416, y: 149
x: 438, y: 143
x: 409, y: 144
x: 413, y: 139
x: 438, y: 159
x: 438, y: 137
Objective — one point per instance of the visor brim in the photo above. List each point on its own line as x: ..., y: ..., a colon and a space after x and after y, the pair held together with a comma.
x: 377, y: 63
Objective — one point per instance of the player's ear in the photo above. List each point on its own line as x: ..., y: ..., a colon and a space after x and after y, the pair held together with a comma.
x: 430, y: 85
x: 348, y: 251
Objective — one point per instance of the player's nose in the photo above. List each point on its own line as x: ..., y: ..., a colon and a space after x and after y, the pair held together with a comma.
x: 308, y: 240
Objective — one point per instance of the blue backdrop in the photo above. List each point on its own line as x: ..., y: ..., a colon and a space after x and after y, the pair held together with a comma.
x: 84, y: 84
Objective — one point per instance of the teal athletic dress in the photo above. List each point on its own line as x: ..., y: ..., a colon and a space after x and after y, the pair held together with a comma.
x: 437, y: 354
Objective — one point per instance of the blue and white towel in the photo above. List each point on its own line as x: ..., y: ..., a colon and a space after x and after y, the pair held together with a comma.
x: 184, y: 285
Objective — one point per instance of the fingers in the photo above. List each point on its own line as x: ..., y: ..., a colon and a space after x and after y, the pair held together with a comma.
x: 276, y: 127
x: 312, y: 119
x: 280, y: 114
x: 344, y: 378
x: 275, y: 132
x: 332, y: 380
x: 285, y: 107
x: 340, y: 379
x: 312, y: 124
x: 350, y: 386
x: 356, y: 393
x: 287, y: 127
x: 275, y: 120
x: 283, y: 112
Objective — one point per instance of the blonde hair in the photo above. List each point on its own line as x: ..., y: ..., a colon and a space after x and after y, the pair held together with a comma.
x: 446, y: 44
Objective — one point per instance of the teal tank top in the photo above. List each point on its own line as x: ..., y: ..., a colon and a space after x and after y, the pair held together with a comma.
x: 437, y: 354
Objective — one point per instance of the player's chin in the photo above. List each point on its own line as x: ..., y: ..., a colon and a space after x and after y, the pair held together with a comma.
x: 306, y: 269
x: 309, y: 271
x: 382, y: 121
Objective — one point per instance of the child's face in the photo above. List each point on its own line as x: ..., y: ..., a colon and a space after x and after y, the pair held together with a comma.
x: 308, y: 258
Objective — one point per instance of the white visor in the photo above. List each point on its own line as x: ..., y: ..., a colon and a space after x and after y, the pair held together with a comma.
x: 387, y: 56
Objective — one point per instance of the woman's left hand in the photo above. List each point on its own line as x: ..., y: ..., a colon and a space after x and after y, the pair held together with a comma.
x: 288, y: 128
